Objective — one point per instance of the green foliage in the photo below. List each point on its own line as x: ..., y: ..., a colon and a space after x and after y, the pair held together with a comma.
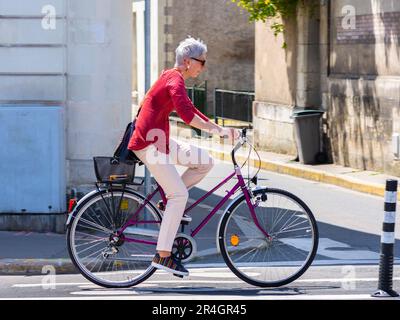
x: 262, y: 10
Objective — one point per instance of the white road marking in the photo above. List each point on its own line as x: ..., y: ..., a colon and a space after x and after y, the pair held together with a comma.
x: 343, y: 279
x: 326, y: 247
x: 131, y: 296
x: 94, y: 286
x: 315, y: 263
x: 218, y: 274
x: 152, y: 283
x: 105, y: 293
x: 33, y: 285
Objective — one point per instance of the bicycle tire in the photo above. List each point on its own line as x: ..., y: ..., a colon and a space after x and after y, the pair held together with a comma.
x: 76, y: 259
x: 239, y: 268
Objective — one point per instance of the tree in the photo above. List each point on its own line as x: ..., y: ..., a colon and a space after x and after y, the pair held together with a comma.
x: 262, y: 10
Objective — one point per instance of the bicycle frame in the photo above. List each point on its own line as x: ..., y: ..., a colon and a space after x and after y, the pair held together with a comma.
x: 240, y: 184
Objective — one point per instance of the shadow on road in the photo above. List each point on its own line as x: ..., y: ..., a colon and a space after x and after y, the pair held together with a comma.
x: 284, y: 291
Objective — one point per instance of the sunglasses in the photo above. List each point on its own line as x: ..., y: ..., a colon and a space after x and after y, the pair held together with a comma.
x: 203, y: 62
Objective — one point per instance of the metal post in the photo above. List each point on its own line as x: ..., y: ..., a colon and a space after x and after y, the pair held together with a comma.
x: 215, y: 106
x: 222, y: 109
x: 387, y: 243
x: 205, y: 98
x: 248, y: 107
x: 147, y: 61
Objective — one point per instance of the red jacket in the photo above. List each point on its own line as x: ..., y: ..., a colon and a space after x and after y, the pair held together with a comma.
x: 166, y: 95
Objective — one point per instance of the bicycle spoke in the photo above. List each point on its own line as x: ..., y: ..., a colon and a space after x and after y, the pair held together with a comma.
x: 289, y: 221
x: 305, y: 228
x: 79, y: 252
x: 97, y: 227
x: 95, y: 258
x: 90, y: 242
x: 94, y: 212
x: 292, y: 224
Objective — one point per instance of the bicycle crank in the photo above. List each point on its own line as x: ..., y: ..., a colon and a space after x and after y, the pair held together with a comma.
x: 184, y: 248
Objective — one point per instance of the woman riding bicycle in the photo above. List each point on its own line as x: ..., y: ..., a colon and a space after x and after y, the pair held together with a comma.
x: 160, y: 153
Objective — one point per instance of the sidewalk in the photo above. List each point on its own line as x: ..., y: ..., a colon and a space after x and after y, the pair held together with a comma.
x: 27, y: 253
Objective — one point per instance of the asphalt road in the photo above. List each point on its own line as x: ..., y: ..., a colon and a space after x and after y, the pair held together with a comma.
x: 346, y: 266
x: 321, y: 282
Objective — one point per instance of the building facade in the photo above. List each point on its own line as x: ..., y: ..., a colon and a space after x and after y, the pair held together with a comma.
x: 65, y: 96
x: 343, y: 59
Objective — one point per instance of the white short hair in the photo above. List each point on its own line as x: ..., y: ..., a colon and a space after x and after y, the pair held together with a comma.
x: 189, y: 48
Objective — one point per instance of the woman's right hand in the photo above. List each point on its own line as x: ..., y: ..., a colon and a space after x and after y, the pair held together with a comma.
x: 231, y: 133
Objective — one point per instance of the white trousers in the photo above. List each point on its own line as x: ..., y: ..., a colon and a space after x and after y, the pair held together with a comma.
x: 162, y: 167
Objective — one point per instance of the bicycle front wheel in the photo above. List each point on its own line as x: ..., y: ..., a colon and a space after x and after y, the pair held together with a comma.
x: 101, y: 255
x: 269, y: 261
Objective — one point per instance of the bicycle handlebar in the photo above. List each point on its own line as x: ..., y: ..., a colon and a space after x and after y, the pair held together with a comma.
x: 244, y: 132
x: 239, y: 144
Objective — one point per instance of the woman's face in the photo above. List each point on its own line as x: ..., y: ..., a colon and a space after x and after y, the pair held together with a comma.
x: 196, y: 65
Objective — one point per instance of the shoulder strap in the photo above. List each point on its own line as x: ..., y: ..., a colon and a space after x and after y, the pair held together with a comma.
x: 140, y: 107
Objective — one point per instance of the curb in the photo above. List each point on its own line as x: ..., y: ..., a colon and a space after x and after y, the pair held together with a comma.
x: 307, y: 173
x: 36, y: 266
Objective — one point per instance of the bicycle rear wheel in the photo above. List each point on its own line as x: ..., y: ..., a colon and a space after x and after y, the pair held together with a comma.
x: 94, y: 248
x: 263, y: 261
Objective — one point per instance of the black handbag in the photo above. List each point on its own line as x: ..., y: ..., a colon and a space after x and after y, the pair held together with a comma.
x: 122, y: 153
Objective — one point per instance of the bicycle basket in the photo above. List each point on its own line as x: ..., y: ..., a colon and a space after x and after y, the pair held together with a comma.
x: 109, y: 169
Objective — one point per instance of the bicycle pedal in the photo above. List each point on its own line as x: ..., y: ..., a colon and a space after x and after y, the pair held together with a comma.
x: 160, y: 205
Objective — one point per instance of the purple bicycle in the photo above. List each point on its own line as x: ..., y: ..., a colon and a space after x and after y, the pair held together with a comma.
x: 267, y: 237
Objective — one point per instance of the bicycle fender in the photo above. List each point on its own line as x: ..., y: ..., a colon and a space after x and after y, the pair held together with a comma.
x: 78, y: 204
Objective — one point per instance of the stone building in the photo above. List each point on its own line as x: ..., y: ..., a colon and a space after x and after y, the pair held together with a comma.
x: 219, y: 23
x: 344, y: 59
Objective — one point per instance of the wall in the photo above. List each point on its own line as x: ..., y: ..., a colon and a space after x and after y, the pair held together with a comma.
x: 33, y: 81
x: 348, y: 67
x: 99, y: 81
x: 364, y: 84
x: 32, y: 52
x: 287, y: 75
x: 83, y: 63
x: 229, y: 37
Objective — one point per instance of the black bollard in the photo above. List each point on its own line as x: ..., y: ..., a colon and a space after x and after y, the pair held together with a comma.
x: 387, y: 243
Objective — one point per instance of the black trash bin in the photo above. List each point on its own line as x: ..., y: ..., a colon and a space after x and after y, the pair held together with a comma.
x: 307, y: 128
